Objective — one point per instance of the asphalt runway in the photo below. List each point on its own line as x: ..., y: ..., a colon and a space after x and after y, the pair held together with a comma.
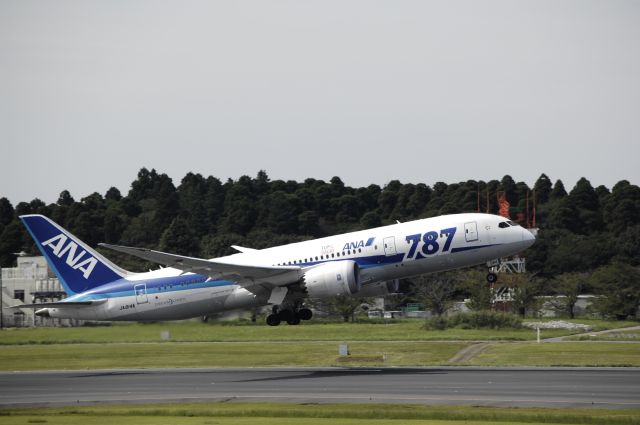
x: 543, y: 387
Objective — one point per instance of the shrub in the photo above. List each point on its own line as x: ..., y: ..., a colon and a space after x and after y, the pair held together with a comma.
x: 475, y: 320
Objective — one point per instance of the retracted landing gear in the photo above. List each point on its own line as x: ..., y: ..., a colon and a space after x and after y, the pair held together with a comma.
x: 292, y: 317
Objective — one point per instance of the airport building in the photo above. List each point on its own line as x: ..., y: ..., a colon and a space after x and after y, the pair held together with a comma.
x: 31, y: 281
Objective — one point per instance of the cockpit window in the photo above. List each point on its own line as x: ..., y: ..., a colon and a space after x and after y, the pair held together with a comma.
x: 508, y: 223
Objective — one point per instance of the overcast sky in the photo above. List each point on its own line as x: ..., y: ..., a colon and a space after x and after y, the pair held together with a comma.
x: 420, y: 91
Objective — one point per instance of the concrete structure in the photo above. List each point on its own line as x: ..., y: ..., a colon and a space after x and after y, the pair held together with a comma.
x: 31, y: 281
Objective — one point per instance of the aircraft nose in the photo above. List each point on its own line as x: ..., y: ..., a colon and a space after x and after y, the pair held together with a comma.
x: 528, y: 237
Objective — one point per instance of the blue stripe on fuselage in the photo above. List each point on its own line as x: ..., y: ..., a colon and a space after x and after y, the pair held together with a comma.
x: 124, y: 288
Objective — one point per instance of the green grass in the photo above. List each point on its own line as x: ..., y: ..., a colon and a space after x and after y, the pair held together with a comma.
x: 559, y: 354
x: 240, y: 354
x: 281, y: 354
x: 614, y: 336
x: 301, y: 414
x: 195, y: 344
x: 193, y: 331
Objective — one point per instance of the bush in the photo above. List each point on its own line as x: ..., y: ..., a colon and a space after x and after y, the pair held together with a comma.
x: 475, y: 320
x: 438, y: 323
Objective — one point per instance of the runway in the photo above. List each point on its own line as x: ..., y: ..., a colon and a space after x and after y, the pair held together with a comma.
x: 543, y: 387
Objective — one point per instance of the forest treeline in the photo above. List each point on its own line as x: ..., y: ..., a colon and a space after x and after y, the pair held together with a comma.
x: 581, y: 229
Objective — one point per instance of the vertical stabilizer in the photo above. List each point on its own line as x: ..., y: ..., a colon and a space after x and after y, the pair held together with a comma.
x: 78, y: 267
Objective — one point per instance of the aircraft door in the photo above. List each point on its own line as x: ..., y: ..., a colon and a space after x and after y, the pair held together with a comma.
x: 389, y: 246
x: 141, y: 293
x: 471, y: 231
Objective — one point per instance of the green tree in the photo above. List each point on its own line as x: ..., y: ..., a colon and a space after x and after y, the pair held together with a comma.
x: 525, y: 292
x: 542, y: 188
x: 179, y: 238
x: 558, y: 191
x: 240, y: 210
x: 435, y: 291
x: 584, y: 200
x: 474, y: 283
x: 65, y: 199
x: 308, y: 223
x: 220, y: 244
x: 371, y: 219
x: 568, y: 286
x: 11, y: 241
x: 280, y: 212
x: 343, y: 306
x: 6, y: 211
x: 114, y: 224
x: 113, y: 194
x: 618, y: 285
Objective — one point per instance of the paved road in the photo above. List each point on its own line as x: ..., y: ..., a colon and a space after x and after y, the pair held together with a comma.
x: 567, y: 387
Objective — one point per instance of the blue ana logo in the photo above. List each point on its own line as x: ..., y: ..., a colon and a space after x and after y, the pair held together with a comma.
x: 61, y: 248
x: 358, y: 244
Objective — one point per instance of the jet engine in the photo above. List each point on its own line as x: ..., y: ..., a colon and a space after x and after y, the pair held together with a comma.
x: 331, y: 279
x: 380, y: 289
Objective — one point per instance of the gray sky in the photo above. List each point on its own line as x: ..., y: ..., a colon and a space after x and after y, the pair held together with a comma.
x: 420, y: 91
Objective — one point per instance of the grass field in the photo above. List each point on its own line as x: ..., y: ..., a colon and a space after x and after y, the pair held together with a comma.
x: 298, y: 414
x: 614, y: 336
x: 241, y: 354
x: 560, y: 354
x: 195, y: 331
x: 195, y: 344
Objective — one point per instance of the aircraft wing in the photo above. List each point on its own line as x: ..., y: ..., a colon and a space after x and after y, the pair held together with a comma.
x: 244, y: 274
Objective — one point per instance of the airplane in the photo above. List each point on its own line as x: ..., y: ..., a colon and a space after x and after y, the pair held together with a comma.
x: 362, y: 264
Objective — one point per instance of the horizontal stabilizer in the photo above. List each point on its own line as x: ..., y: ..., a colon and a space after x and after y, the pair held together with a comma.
x: 61, y: 304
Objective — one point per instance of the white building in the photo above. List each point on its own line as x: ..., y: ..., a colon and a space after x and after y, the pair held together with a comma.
x: 30, y: 282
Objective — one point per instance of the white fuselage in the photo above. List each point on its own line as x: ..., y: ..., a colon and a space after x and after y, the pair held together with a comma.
x: 385, y: 253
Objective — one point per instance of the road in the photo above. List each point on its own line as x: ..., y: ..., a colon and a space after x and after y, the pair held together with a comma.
x: 544, y: 387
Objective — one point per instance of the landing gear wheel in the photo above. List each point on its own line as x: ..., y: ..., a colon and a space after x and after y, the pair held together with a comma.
x: 305, y: 314
x: 285, y: 315
x: 492, y: 277
x: 293, y: 320
x: 273, y: 320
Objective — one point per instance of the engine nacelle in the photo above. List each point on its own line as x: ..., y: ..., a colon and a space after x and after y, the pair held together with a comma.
x: 332, y: 279
x: 380, y: 289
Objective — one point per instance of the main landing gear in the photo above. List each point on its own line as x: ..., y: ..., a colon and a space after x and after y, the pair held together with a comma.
x: 492, y: 277
x: 292, y: 317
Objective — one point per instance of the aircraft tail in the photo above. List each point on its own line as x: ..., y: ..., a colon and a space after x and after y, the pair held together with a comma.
x: 78, y: 267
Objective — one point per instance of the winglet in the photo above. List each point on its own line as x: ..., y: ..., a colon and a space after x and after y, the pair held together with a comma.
x: 242, y: 248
